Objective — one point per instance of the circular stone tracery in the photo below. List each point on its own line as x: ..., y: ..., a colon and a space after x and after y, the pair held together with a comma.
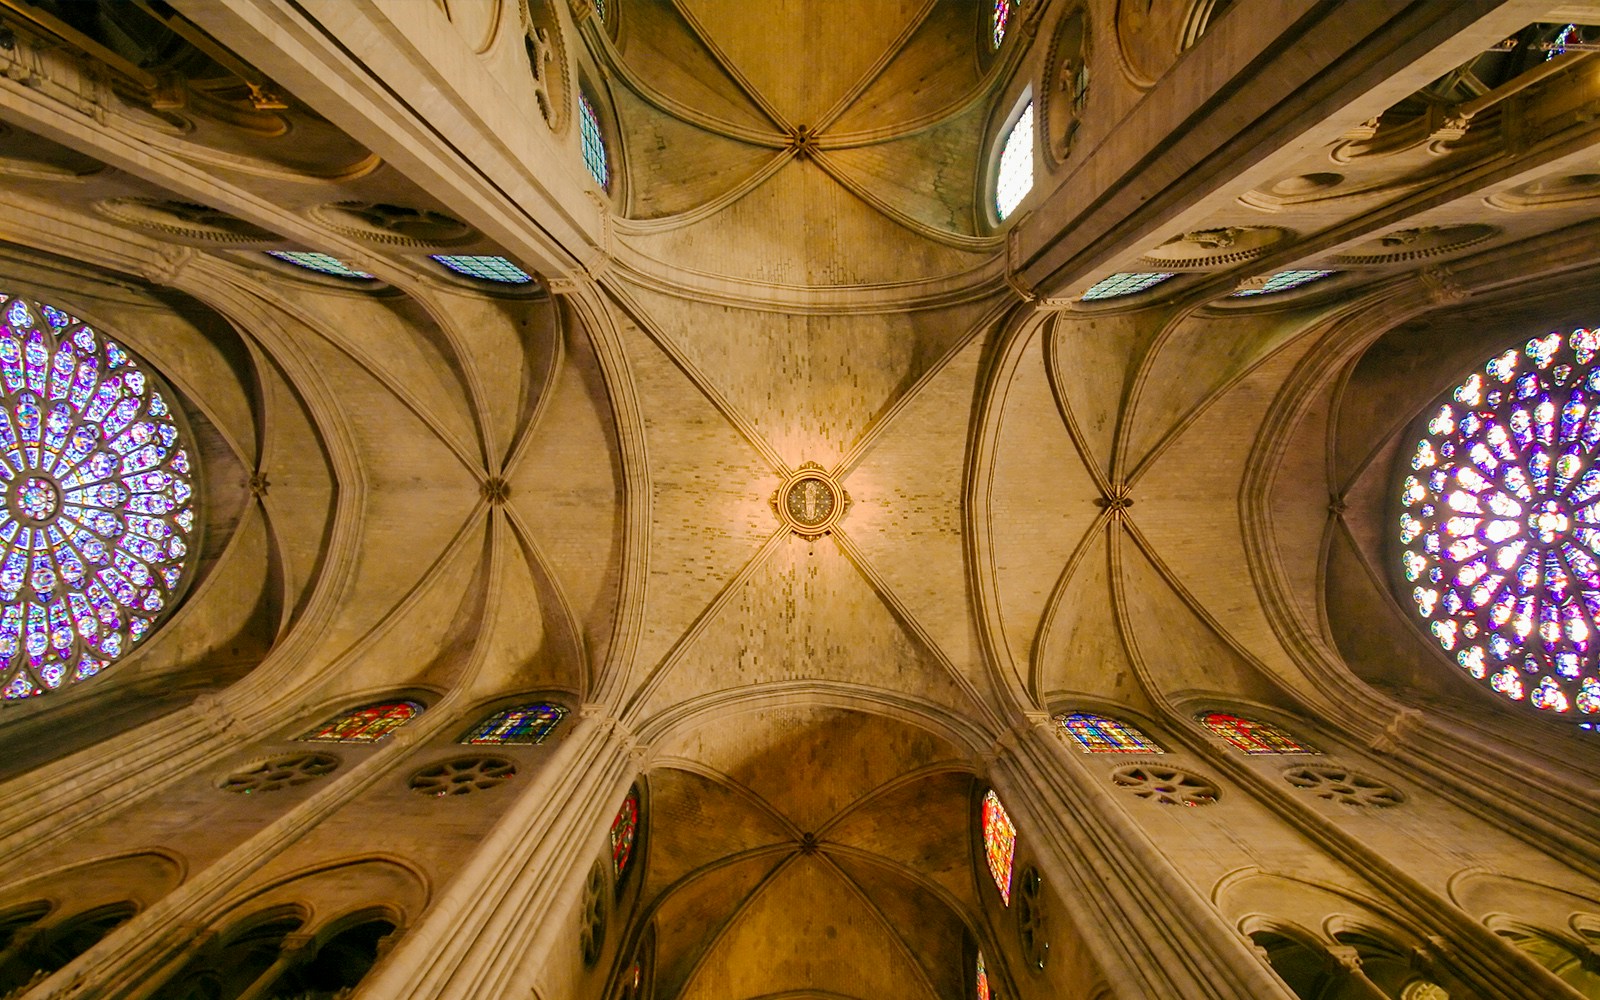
x: 95, y: 491
x: 1500, y: 523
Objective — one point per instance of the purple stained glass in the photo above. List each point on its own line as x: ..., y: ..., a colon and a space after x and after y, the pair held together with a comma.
x: 92, y: 471
x: 1500, y: 523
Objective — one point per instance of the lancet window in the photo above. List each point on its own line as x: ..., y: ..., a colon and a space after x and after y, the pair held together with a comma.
x: 1100, y: 734
x: 367, y: 724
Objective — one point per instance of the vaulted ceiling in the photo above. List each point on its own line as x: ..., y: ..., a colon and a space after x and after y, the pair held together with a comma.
x: 421, y: 483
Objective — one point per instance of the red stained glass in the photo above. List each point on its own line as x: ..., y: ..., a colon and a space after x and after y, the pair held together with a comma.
x: 624, y: 829
x: 999, y: 843
x: 368, y: 724
x: 1253, y: 737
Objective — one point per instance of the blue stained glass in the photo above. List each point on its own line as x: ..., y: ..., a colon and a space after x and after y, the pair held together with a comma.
x: 525, y: 724
x: 1124, y: 283
x: 320, y: 262
x: 594, y: 144
x: 485, y: 268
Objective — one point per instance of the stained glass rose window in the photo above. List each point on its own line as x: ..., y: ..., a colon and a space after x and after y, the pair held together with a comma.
x: 1499, y: 524
x: 96, y: 500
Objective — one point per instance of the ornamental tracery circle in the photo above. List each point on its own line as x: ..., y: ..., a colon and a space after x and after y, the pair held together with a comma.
x: 1166, y: 785
x: 462, y: 776
x: 1500, y: 523
x: 280, y: 772
x: 1336, y: 784
x: 96, y: 500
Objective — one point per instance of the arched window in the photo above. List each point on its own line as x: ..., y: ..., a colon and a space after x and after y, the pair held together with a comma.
x: 982, y: 980
x: 1002, y: 14
x: 485, y: 268
x: 1014, y: 176
x: 1565, y: 960
x: 1252, y: 736
x: 97, y: 505
x: 594, y: 143
x: 1391, y: 968
x: 1124, y: 283
x: 1501, y: 498
x: 51, y: 948
x: 1099, y: 734
x: 1308, y: 972
x: 320, y: 262
x: 226, y: 968
x: 1282, y: 281
x: 525, y: 724
x: 337, y: 965
x: 624, y: 830
x: 999, y: 843
x: 367, y: 724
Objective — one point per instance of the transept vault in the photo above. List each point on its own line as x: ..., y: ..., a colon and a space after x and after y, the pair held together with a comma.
x: 671, y: 521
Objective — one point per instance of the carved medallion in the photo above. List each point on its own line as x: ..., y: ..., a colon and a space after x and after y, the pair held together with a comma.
x: 810, y: 502
x: 394, y: 225
x: 1066, y: 82
x: 547, y: 61
x: 1202, y: 249
x: 184, y: 219
x: 1417, y: 243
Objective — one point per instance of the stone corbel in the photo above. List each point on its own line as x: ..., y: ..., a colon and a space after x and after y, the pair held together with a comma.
x: 214, y: 714
x: 1442, y: 287
x: 1394, y: 735
x: 1448, y: 125
x: 167, y: 264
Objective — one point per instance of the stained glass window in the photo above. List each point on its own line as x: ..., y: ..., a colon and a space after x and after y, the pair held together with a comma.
x: 1282, y: 282
x: 1014, y: 178
x: 319, y: 262
x: 623, y: 831
x: 1002, y: 13
x: 1252, y: 736
x: 485, y: 268
x: 1558, y: 47
x: 367, y: 724
x: 96, y: 499
x: 1099, y: 734
x: 594, y: 144
x: 1124, y: 283
x: 1500, y: 523
x: 983, y: 980
x: 525, y: 724
x: 999, y: 843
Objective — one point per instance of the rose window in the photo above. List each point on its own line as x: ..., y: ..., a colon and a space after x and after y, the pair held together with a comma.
x: 1500, y: 523
x: 96, y: 489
